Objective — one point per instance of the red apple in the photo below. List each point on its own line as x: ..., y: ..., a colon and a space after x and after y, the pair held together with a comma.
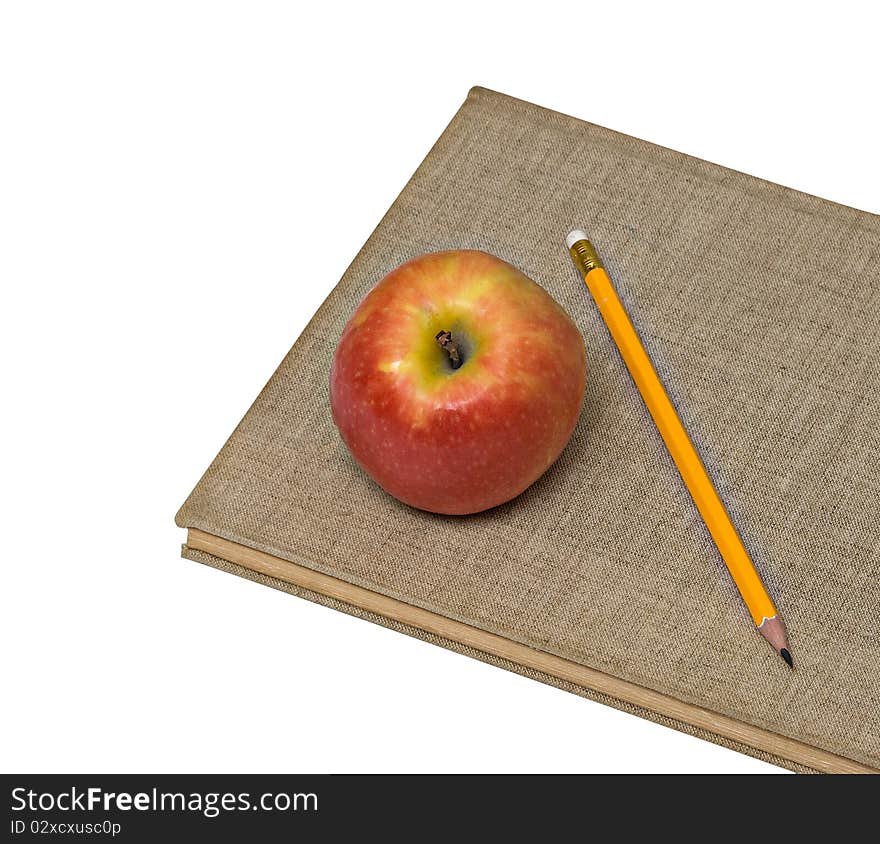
x: 457, y: 382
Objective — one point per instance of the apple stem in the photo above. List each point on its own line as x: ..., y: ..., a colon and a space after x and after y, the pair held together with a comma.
x: 444, y: 338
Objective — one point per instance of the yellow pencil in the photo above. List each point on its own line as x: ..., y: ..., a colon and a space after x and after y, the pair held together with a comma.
x: 735, y: 556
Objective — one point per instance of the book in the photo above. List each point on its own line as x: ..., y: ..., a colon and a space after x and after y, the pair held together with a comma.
x: 759, y: 307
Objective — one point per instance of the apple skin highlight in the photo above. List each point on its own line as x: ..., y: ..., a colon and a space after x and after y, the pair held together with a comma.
x: 457, y: 441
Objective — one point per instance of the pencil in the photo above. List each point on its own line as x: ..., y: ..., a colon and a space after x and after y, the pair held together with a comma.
x: 700, y: 486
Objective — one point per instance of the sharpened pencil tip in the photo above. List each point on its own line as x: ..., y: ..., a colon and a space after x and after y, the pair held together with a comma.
x: 787, y: 657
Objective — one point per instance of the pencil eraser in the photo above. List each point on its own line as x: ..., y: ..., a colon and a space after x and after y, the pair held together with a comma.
x: 573, y: 237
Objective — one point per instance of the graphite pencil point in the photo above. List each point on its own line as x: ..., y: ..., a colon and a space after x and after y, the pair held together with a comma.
x: 787, y: 657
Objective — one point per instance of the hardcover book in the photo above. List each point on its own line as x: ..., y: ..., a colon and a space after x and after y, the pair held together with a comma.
x: 760, y: 307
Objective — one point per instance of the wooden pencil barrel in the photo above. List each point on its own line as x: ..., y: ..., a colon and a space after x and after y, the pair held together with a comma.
x: 689, y: 464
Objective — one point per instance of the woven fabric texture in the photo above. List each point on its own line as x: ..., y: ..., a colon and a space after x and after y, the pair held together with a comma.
x: 760, y: 307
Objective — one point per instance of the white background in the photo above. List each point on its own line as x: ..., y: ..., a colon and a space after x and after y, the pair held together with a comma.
x: 181, y: 184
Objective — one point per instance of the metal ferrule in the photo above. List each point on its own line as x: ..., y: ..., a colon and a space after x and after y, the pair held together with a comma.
x: 585, y: 257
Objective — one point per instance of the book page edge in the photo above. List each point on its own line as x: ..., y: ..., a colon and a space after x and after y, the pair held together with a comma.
x: 499, y: 647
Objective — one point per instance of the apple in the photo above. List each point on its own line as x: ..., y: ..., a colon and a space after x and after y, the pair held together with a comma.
x: 457, y: 382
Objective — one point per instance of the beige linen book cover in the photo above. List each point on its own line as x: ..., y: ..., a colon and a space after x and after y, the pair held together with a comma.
x: 760, y: 307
